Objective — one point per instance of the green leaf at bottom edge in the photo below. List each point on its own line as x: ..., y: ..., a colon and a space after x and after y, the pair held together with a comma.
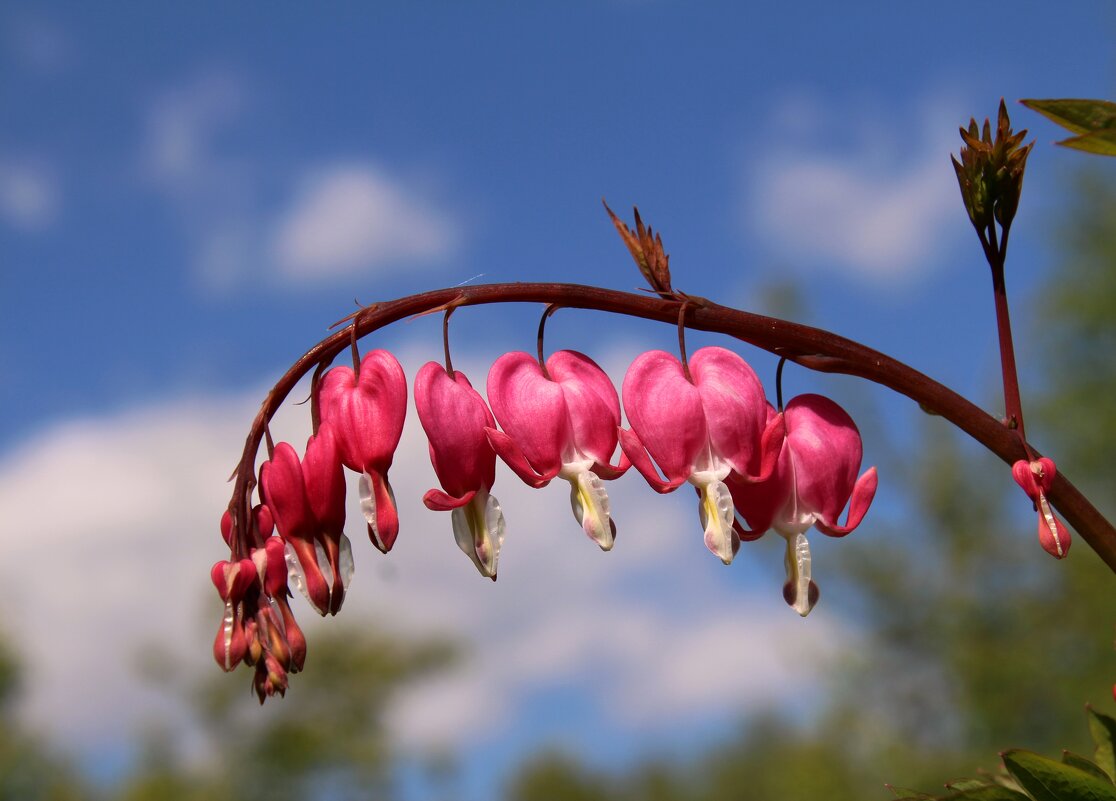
x: 1048, y: 780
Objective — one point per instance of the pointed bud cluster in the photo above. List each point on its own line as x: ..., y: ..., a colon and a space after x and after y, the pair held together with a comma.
x: 1036, y: 478
x: 990, y: 172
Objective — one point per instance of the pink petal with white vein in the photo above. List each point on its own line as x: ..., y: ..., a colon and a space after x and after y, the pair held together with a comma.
x: 825, y: 455
x: 455, y: 417
x: 667, y: 419
x: 367, y: 413
x: 592, y: 404
x: 734, y: 405
x: 531, y: 409
x: 325, y: 480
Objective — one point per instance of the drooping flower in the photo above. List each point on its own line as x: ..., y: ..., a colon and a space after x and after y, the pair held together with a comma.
x: 307, y: 500
x: 1036, y: 478
x: 560, y: 422
x: 232, y: 578
x: 700, y: 428
x: 367, y: 414
x: 814, y: 478
x: 455, y: 418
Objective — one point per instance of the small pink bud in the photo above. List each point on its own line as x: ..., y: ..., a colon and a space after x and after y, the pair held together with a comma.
x: 232, y: 579
x: 1036, y: 478
x: 227, y: 527
x: 230, y: 645
x: 296, y: 640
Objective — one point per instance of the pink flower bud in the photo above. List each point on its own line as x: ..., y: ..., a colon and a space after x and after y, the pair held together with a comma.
x: 1036, y: 478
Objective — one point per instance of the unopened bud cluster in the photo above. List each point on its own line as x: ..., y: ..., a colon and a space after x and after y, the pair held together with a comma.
x: 705, y: 422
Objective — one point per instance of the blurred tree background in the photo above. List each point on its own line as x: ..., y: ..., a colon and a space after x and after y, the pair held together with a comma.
x: 981, y: 644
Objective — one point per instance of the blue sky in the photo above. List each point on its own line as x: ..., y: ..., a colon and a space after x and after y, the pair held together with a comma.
x: 188, y: 197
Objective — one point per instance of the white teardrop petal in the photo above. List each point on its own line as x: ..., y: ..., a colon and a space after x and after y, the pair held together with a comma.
x: 228, y: 623
x: 591, y: 508
x: 717, y: 514
x: 345, y: 565
x: 478, y: 528
x: 367, y: 499
x: 800, y: 592
x: 296, y: 577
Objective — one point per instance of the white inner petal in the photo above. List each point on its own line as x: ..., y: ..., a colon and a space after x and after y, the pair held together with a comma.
x: 797, y: 561
x: 229, y: 621
x: 345, y: 565
x: 717, y: 514
x: 591, y: 508
x: 478, y: 528
x: 1051, y: 523
x: 296, y: 577
x: 367, y: 500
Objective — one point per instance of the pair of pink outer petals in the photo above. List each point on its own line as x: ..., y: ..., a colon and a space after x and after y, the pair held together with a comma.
x: 702, y: 428
x: 815, y: 476
x: 561, y: 422
x: 1036, y: 478
x: 455, y: 418
x: 307, y: 501
x: 367, y: 414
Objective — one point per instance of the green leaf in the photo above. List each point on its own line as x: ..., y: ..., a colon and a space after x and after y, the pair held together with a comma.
x: 991, y: 792
x: 1048, y: 780
x: 1093, y: 120
x: 1087, y: 765
x: 903, y: 794
x: 1100, y: 142
x: 1077, y: 116
x: 1103, y: 730
x: 962, y: 785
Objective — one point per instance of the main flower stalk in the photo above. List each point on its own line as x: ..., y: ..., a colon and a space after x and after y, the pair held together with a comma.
x: 809, y: 347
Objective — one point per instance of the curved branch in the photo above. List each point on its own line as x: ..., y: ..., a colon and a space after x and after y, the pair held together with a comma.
x: 812, y: 348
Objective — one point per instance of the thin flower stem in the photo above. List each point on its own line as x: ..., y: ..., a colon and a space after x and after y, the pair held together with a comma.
x: 445, y: 339
x: 779, y: 383
x: 682, y: 340
x: 812, y: 348
x: 1013, y: 405
x: 356, y: 353
x: 549, y: 310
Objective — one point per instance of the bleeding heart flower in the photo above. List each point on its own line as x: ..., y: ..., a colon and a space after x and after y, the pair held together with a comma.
x: 307, y: 501
x: 232, y: 579
x: 700, y: 427
x: 367, y: 414
x: 814, y: 478
x: 560, y: 421
x: 455, y: 418
x: 1036, y: 478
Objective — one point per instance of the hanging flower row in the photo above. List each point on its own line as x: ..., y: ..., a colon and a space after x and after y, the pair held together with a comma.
x: 704, y: 421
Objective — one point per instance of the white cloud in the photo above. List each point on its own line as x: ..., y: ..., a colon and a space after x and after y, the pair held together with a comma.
x: 28, y: 195
x: 180, y: 152
x: 352, y: 217
x: 880, y: 208
x: 110, y: 525
x: 340, y: 219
